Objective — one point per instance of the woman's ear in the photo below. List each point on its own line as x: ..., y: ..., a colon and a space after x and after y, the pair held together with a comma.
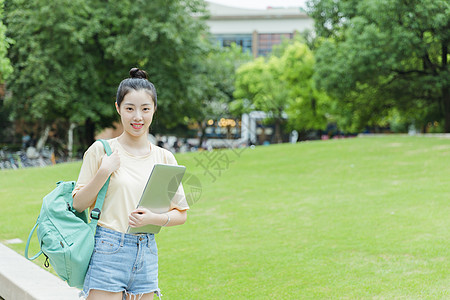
x: 117, y: 108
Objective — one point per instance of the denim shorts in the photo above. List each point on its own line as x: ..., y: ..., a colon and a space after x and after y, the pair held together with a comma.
x: 123, y: 262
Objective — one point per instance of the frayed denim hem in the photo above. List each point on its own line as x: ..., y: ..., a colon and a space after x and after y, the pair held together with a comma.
x: 157, y: 292
x: 139, y: 296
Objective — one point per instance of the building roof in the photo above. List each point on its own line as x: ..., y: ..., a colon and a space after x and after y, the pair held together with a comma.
x: 223, y: 12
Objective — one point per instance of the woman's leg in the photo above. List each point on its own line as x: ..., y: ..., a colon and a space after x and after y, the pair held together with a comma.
x: 104, y: 295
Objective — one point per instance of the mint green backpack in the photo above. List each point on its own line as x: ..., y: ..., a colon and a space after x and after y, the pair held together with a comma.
x: 66, y: 237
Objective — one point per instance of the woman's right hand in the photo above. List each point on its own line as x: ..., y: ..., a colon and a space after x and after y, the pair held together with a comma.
x: 111, y: 163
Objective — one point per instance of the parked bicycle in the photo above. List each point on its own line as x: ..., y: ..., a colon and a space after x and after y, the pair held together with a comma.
x: 24, y: 159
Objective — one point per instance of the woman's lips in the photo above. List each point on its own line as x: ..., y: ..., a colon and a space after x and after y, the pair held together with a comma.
x: 137, y: 125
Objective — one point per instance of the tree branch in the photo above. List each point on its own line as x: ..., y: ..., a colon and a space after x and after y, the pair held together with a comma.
x: 408, y: 72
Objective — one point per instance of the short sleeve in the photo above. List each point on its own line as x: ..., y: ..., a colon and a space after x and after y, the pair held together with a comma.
x: 91, y: 163
x: 179, y: 201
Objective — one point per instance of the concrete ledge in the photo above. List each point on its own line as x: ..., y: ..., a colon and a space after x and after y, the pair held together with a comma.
x: 21, y: 279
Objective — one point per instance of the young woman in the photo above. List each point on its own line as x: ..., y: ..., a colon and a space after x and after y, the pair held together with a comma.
x: 125, y: 266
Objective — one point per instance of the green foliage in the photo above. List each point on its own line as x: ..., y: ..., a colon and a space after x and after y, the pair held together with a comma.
x: 283, y: 84
x: 216, y: 83
x: 214, y: 87
x: 54, y: 74
x: 260, y: 83
x: 308, y: 107
x: 5, y: 64
x: 70, y: 56
x: 163, y: 38
x: 378, y: 55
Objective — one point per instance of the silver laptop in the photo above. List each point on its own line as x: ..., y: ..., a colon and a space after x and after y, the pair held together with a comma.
x: 161, y: 187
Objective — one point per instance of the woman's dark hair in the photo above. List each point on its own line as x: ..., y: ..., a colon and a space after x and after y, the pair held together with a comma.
x: 138, y: 81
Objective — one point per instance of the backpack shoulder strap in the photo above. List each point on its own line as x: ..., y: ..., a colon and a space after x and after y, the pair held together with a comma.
x: 95, y: 213
x: 106, y: 146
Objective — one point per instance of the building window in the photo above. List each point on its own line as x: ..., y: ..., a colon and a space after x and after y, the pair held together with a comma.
x: 267, y: 40
x: 243, y: 40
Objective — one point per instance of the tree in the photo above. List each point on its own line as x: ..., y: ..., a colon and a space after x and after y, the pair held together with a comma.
x: 70, y: 56
x: 308, y: 107
x: 382, y: 55
x: 55, y: 78
x: 164, y: 38
x: 260, y: 83
x: 282, y: 85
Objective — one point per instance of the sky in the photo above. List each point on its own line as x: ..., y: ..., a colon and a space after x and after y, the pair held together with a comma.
x: 261, y: 4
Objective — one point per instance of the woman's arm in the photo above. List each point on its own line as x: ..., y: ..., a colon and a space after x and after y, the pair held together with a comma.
x: 142, y: 216
x: 86, y: 196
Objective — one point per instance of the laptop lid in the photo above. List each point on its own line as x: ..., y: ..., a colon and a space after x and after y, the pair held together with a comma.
x: 161, y: 187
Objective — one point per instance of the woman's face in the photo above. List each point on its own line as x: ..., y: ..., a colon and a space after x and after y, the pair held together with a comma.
x: 136, y: 112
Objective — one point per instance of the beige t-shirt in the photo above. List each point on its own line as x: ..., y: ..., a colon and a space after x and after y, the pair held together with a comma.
x: 127, y: 183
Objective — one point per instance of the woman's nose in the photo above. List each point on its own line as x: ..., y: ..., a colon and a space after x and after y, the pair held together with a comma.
x: 138, y: 115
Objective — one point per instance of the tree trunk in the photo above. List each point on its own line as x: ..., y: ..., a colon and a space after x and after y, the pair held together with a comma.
x: 70, y: 140
x: 43, y: 139
x: 278, y: 139
x: 446, y: 100
x: 202, y: 126
x: 89, y: 132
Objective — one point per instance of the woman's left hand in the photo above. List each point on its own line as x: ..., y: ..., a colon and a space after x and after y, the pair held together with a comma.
x: 140, y: 217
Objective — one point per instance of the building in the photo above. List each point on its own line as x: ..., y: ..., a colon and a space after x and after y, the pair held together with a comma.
x: 256, y: 30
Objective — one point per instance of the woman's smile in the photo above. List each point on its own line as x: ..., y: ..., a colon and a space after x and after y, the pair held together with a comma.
x: 137, y: 125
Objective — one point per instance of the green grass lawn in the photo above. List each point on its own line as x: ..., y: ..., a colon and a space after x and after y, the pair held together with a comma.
x: 364, y: 218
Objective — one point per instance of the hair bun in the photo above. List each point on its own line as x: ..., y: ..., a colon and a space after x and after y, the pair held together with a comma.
x: 138, y: 73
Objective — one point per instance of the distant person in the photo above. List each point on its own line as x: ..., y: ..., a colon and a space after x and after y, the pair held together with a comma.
x: 293, y: 136
x: 176, y: 146
x: 125, y: 266
x: 160, y: 143
x: 205, y: 145
x: 26, y: 139
x: 32, y: 140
